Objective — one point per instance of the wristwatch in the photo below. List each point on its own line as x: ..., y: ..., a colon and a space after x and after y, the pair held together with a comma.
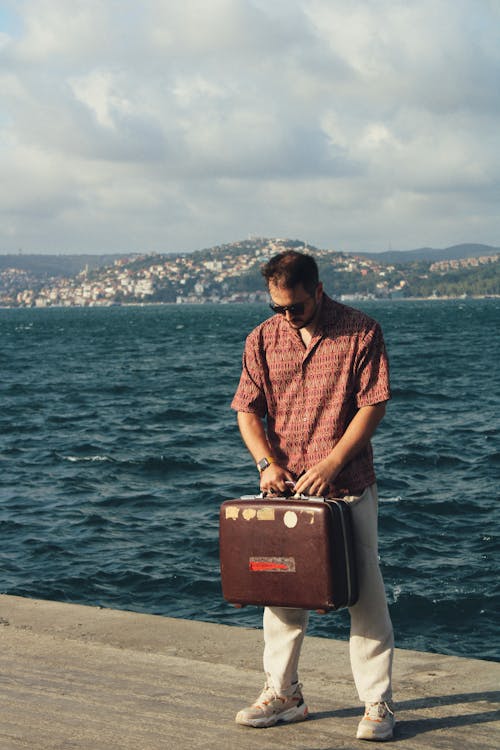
x: 265, y: 462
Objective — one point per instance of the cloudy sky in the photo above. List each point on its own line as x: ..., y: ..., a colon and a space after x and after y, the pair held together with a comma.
x: 172, y: 125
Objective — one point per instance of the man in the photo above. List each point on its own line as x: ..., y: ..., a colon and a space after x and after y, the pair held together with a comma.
x: 312, y: 391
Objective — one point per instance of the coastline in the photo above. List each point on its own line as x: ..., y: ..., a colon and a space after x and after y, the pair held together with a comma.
x: 247, y: 302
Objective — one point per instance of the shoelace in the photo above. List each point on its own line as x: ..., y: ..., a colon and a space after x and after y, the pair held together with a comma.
x: 268, y: 695
x: 265, y: 697
x: 377, y: 711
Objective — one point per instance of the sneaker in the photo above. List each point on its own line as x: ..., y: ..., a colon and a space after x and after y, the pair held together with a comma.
x: 378, y: 722
x: 270, y: 708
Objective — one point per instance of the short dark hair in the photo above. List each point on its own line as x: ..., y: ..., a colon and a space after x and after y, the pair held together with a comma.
x: 290, y: 268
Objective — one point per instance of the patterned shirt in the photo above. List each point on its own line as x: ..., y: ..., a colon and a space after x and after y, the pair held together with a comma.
x: 309, y: 395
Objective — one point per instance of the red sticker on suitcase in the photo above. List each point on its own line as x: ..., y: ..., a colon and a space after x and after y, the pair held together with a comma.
x: 271, y: 565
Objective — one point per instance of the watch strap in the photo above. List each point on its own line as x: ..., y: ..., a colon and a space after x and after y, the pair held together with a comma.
x: 265, y: 462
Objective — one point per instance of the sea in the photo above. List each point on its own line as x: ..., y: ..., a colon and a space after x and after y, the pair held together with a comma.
x: 118, y: 445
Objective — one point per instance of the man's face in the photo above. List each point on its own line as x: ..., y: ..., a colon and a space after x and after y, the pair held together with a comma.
x: 307, y: 304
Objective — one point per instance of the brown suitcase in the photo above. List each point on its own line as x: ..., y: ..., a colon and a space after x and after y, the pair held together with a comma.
x: 288, y: 552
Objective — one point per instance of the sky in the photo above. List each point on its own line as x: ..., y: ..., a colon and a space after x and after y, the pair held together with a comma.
x: 176, y: 125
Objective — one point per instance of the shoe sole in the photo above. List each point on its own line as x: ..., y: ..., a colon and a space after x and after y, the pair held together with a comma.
x: 291, y: 716
x: 385, y: 738
x: 374, y: 737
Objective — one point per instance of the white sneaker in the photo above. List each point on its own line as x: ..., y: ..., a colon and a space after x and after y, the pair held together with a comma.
x: 378, y: 722
x: 270, y: 708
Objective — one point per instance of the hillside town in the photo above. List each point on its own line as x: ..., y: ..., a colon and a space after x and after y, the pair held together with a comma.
x: 229, y: 273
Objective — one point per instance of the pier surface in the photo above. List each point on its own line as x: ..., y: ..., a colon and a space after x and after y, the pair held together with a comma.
x: 86, y: 678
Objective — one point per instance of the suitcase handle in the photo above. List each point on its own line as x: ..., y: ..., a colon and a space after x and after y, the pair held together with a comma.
x: 263, y: 495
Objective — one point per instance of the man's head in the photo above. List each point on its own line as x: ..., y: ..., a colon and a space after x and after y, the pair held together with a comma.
x: 290, y: 268
x: 293, y: 282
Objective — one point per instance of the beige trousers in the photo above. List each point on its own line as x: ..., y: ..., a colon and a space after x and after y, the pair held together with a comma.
x: 371, y: 644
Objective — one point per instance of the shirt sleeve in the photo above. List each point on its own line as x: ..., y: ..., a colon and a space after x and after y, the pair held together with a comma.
x: 250, y: 396
x: 372, y: 369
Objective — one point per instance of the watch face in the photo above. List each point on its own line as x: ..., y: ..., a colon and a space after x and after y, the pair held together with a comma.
x: 263, y: 464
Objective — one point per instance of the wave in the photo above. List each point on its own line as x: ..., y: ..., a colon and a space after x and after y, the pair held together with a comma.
x: 413, y: 395
x: 84, y: 459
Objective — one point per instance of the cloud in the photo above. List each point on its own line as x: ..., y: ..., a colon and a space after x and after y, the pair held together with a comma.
x: 171, y: 126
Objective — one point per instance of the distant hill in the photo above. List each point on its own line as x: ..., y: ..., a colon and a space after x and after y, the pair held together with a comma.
x: 232, y: 273
x: 45, y: 266
x: 432, y: 255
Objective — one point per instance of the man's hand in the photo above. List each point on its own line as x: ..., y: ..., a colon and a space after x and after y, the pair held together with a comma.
x: 274, y: 479
x: 317, y: 479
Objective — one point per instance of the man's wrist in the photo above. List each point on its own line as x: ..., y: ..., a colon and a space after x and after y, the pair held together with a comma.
x: 264, y: 463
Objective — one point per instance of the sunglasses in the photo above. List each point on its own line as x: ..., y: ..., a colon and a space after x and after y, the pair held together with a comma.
x: 296, y: 309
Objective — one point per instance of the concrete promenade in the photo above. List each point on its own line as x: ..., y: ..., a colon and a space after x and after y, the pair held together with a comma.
x: 85, y: 678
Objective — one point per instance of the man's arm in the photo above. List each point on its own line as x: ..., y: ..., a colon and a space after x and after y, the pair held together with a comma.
x: 274, y: 477
x: 317, y: 479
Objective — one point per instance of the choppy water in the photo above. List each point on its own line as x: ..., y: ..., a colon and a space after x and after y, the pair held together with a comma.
x: 118, y: 445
